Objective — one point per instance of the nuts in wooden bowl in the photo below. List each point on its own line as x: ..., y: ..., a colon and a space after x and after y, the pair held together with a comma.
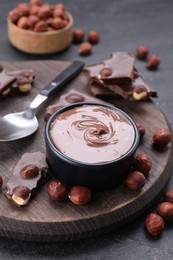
x: 40, y: 29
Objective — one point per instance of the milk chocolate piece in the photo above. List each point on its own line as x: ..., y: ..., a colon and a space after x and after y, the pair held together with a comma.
x: 30, y: 173
x: 119, y: 69
x: 72, y: 96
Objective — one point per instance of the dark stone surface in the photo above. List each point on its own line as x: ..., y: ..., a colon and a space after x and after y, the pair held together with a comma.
x: 123, y: 25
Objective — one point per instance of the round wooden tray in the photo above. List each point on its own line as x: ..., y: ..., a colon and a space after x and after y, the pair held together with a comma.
x: 44, y: 220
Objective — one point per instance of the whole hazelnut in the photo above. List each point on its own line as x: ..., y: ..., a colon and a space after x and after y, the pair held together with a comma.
x: 73, y: 98
x: 140, y: 93
x: 135, y: 180
x: 36, y: 2
x: 106, y: 72
x: 60, y: 6
x: 142, y: 52
x: 14, y: 16
x: 154, y: 224
x: 23, y: 9
x: 168, y: 196
x: 41, y: 26
x: 57, y: 191
x: 23, y: 22
x: 78, y: 35
x: 85, y: 48
x: 165, y: 209
x: 142, y: 162
x: 58, y: 12
x: 153, y: 62
x: 45, y: 11
x: 57, y: 23
x: 162, y: 137
x: 34, y: 9
x: 80, y: 195
x: 29, y: 171
x: 32, y: 20
x: 93, y: 37
x: 141, y: 130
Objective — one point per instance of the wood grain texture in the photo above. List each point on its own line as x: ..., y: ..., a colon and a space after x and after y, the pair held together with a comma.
x: 44, y: 220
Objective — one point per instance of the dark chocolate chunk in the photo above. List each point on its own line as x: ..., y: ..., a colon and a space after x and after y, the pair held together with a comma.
x: 30, y: 173
x: 5, y: 83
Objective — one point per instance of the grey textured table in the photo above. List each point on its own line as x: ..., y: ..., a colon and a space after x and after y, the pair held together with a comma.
x: 123, y: 25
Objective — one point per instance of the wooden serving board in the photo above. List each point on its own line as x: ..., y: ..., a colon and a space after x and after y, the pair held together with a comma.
x: 44, y: 220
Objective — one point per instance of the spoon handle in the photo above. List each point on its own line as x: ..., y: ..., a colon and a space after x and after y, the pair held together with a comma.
x: 63, y: 78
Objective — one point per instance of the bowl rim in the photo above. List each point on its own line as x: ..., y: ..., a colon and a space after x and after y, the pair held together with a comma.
x: 68, y: 26
x: 68, y: 159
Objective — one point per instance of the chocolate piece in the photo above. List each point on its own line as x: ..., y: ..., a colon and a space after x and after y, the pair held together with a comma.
x: 29, y: 174
x: 119, y: 69
x: 15, y: 82
x: 5, y: 83
x: 138, y: 90
x: 72, y: 96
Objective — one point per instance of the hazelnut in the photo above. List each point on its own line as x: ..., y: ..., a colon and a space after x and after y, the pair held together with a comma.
x: 45, y: 11
x: 162, y: 137
x: 78, y: 35
x: 32, y: 20
x: 168, y: 196
x: 135, y: 180
x: 23, y: 22
x: 142, y: 52
x: 57, y: 23
x: 141, y: 130
x: 14, y: 16
x: 58, y: 12
x: 29, y: 171
x: 36, y: 2
x: 153, y: 62
x: 21, y: 195
x: 73, y: 98
x: 23, y: 9
x: 140, y: 93
x: 34, y: 9
x: 60, y: 6
x: 49, y: 21
x: 154, y: 224
x: 57, y: 191
x: 142, y: 162
x: 85, y: 48
x: 105, y: 72
x: 1, y: 181
x: 80, y: 195
x: 165, y: 209
x: 41, y: 26
x: 93, y: 37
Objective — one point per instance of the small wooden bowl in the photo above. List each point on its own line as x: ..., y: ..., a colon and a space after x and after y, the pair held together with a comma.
x: 40, y: 42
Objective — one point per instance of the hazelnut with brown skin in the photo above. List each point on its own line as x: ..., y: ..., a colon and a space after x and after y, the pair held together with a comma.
x: 58, y: 12
x: 60, y: 6
x: 93, y: 37
x: 14, y: 16
x: 23, y: 22
x: 165, y: 209
x: 154, y: 224
x: 29, y: 171
x: 142, y: 162
x: 85, y: 49
x: 142, y: 52
x: 141, y: 130
x: 162, y: 137
x: 32, y: 20
x: 57, y: 191
x: 23, y: 9
x: 153, y: 62
x: 57, y: 23
x: 135, y: 180
x: 41, y: 26
x: 45, y: 11
x: 80, y: 195
x: 168, y: 196
x: 78, y: 35
x: 36, y: 2
x: 34, y: 9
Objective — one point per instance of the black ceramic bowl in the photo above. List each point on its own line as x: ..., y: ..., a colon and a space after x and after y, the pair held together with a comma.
x: 95, y: 176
